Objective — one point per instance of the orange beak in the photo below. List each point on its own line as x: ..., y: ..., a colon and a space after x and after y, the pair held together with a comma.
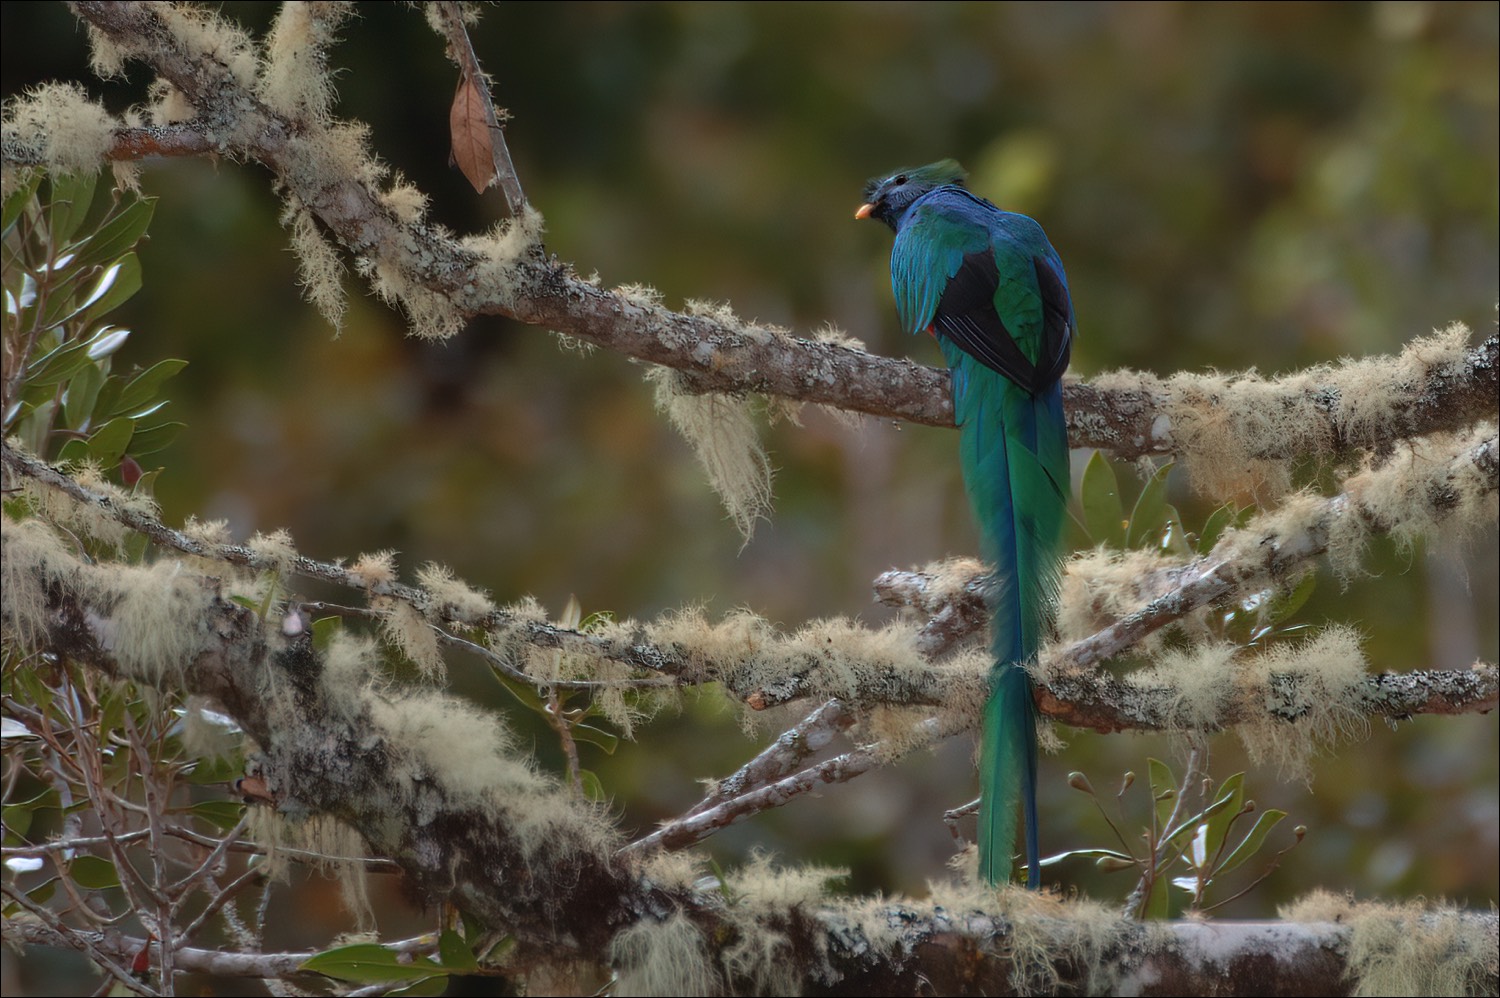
x: 865, y: 211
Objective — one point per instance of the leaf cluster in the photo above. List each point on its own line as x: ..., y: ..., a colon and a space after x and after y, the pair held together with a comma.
x: 1193, y: 853
x: 69, y: 263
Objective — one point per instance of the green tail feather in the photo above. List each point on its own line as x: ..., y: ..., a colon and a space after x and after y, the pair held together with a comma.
x: 1013, y: 447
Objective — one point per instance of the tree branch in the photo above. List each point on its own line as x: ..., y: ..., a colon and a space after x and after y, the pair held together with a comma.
x: 1106, y: 703
x: 791, y: 748
x: 702, y: 821
x: 1272, y: 548
x: 1134, y: 415
x: 909, y: 948
x: 461, y: 50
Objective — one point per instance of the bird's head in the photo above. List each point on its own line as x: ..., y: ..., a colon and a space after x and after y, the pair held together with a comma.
x: 888, y: 197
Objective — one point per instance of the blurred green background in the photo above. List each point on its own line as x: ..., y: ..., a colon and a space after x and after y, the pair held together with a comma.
x: 1266, y: 185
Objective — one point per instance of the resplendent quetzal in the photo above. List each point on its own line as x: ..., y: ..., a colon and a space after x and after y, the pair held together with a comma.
x: 990, y: 287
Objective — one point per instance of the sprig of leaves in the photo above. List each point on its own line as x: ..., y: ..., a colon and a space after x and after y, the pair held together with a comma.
x: 1155, y: 524
x: 1193, y: 852
x: 68, y: 263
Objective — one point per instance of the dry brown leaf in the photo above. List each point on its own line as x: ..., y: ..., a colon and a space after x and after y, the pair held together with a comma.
x: 473, y: 149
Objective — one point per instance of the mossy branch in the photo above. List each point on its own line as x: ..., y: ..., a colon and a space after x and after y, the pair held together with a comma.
x: 951, y: 954
x: 563, y: 898
x: 1270, y: 549
x: 503, y: 842
x: 442, y: 281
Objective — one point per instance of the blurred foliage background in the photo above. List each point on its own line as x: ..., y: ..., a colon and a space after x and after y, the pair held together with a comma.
x: 1266, y: 185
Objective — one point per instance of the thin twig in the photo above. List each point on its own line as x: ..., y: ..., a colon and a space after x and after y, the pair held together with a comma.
x: 799, y: 742
x: 461, y: 50
x: 695, y: 828
x: 87, y: 943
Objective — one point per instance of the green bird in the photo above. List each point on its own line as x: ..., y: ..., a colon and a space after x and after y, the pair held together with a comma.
x: 990, y: 287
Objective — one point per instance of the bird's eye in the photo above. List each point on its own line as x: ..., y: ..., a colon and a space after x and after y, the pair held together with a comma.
x: 900, y: 178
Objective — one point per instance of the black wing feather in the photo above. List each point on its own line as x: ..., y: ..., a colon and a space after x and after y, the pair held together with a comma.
x: 966, y: 315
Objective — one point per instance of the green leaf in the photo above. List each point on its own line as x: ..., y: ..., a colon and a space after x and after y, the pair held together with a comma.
x: 94, y: 873
x: 107, y: 443
x: 524, y: 693
x: 149, y: 409
x: 74, y: 452
x: 217, y: 769
x: 593, y: 787
x: 1220, y: 520
x: 1233, y: 788
x: 1174, y: 539
x: 111, y: 714
x: 64, y: 288
x: 1150, y: 512
x: 1252, y: 841
x: 1103, y: 513
x: 124, y: 280
x: 106, y: 340
x: 119, y: 234
x: 18, y: 200
x: 109, y: 397
x: 1158, y: 904
x: 68, y: 204
x: 38, y: 693
x: 1189, y: 826
x: 596, y: 736
x: 368, y: 963
x: 58, y: 365
x: 81, y: 394
x: 47, y: 798
x: 17, y: 413
x: 17, y: 820
x: 455, y: 953
x: 222, y: 814
x: 1163, y: 789
x: 1289, y: 601
x: 428, y: 987
x: 324, y: 628
x: 1086, y: 853
x: 42, y: 893
x: 144, y: 386
x: 145, y: 486
x: 154, y: 438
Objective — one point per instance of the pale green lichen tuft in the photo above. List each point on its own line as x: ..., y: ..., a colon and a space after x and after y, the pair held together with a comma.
x: 319, y: 269
x: 721, y: 431
x: 59, y: 127
x: 1302, y: 697
x: 1415, y: 948
x: 402, y: 626
x: 765, y: 897
x: 322, y: 842
x: 452, y: 598
x: 669, y: 957
x: 294, y: 79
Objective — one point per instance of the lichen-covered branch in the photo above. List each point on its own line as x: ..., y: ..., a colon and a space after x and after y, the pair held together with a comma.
x: 191, y: 959
x: 519, y: 858
x: 791, y: 748
x: 1407, y: 498
x: 728, y: 807
x: 426, y: 782
x: 1107, y: 703
x: 441, y: 281
x: 872, y: 668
